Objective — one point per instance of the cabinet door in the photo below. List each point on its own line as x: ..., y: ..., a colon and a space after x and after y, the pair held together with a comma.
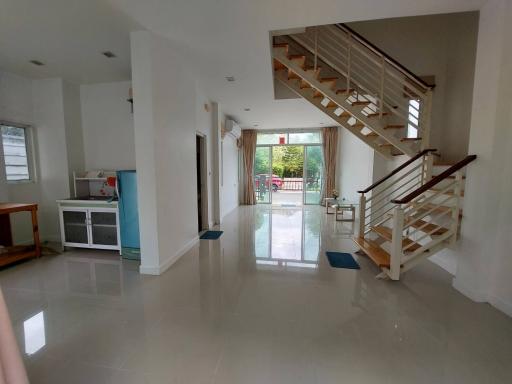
x: 75, y: 227
x: 104, y: 232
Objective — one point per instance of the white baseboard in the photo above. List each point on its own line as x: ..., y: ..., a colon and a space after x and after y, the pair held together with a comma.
x: 445, y: 263
x: 471, y: 293
x: 158, y: 270
x: 502, y: 305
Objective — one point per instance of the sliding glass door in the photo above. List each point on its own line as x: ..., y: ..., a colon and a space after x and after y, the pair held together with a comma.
x: 313, y: 173
x: 263, y: 174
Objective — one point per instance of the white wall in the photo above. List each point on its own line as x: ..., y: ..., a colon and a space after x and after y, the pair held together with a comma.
x: 355, y: 165
x: 439, y: 45
x: 107, y: 122
x: 165, y: 119
x: 484, y: 265
x: 229, y: 175
x: 41, y: 104
x: 74, y: 131
x: 50, y: 131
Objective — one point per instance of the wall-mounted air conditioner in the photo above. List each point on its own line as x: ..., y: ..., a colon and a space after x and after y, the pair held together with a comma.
x: 233, y: 129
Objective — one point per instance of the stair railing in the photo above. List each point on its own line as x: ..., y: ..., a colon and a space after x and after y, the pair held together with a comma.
x: 375, y: 75
x: 375, y: 205
x: 427, y: 218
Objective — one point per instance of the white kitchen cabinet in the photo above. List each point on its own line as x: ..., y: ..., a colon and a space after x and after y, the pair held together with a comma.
x: 89, y: 225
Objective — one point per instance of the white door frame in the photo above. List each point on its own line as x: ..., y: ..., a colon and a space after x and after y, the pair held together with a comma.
x: 205, y: 200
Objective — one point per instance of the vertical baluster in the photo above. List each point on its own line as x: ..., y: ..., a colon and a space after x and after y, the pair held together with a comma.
x: 381, y: 94
x: 362, y: 214
x: 456, y: 206
x: 316, y: 49
x: 349, y: 62
x: 396, y: 243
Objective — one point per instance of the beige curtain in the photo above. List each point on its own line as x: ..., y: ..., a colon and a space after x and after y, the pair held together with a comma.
x: 12, y: 370
x: 249, y: 150
x: 330, y: 146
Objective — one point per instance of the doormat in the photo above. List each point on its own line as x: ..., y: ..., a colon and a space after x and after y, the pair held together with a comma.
x: 342, y: 260
x: 211, y: 235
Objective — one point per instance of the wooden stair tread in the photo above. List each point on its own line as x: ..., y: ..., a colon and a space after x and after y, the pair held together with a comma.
x: 386, y: 233
x: 327, y: 79
x: 394, y: 126
x: 281, y: 45
x: 350, y: 90
x: 437, y: 230
x: 278, y: 65
x: 374, y: 252
x: 377, y: 114
x: 406, y: 139
x: 361, y: 102
x: 295, y: 57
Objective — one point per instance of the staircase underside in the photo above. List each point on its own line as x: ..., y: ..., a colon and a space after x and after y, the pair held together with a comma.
x: 358, y: 113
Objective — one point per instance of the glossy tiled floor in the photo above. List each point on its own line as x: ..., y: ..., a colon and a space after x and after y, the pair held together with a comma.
x: 259, y: 306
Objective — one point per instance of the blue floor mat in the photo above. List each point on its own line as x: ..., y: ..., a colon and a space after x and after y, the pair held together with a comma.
x: 211, y: 235
x: 342, y: 260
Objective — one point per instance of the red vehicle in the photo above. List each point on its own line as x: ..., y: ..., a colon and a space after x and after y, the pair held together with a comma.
x: 277, y: 182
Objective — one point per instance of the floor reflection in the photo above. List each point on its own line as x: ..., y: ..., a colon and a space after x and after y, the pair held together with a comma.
x: 287, y: 237
x: 34, y: 333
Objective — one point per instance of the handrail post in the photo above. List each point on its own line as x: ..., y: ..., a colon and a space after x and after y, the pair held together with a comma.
x: 456, y: 207
x: 316, y: 49
x: 349, y: 62
x: 396, y: 243
x: 426, y: 111
x: 429, y: 160
x: 362, y: 214
x: 381, y: 94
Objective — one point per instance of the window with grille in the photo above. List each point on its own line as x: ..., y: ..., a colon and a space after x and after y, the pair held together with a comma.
x: 15, y: 147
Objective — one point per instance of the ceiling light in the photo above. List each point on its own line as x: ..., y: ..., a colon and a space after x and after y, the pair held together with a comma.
x: 37, y: 62
x: 109, y: 54
x: 230, y: 78
x: 247, y: 109
x: 255, y: 125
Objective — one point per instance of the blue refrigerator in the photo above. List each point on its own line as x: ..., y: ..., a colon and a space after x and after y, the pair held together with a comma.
x: 128, y: 214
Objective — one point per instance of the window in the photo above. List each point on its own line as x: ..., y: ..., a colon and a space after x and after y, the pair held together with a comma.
x: 414, y: 113
x: 15, y: 145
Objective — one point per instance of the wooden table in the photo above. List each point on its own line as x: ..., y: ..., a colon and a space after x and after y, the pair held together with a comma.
x: 16, y: 253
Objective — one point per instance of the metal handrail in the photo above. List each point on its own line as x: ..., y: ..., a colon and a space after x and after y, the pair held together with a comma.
x: 387, y: 57
x: 435, y: 180
x: 398, y: 169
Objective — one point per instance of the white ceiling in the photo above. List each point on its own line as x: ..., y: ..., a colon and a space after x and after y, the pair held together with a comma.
x: 231, y: 38
x: 68, y: 36
x: 219, y: 38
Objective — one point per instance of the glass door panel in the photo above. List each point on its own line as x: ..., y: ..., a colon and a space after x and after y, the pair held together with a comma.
x: 313, y: 170
x: 263, y: 174
x: 75, y: 227
x: 104, y: 228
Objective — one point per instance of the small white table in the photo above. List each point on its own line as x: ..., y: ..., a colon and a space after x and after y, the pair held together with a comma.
x: 341, y: 208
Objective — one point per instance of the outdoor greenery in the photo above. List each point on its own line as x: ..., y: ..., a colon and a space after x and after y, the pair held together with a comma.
x: 288, y: 161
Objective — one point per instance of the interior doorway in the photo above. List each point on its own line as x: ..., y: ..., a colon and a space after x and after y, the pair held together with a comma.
x: 202, y: 184
x: 288, y: 169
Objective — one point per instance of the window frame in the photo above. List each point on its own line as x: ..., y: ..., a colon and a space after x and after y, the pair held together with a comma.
x: 29, y: 147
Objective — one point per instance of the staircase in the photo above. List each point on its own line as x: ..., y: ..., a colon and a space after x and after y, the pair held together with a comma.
x: 358, y: 86
x: 410, y: 214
